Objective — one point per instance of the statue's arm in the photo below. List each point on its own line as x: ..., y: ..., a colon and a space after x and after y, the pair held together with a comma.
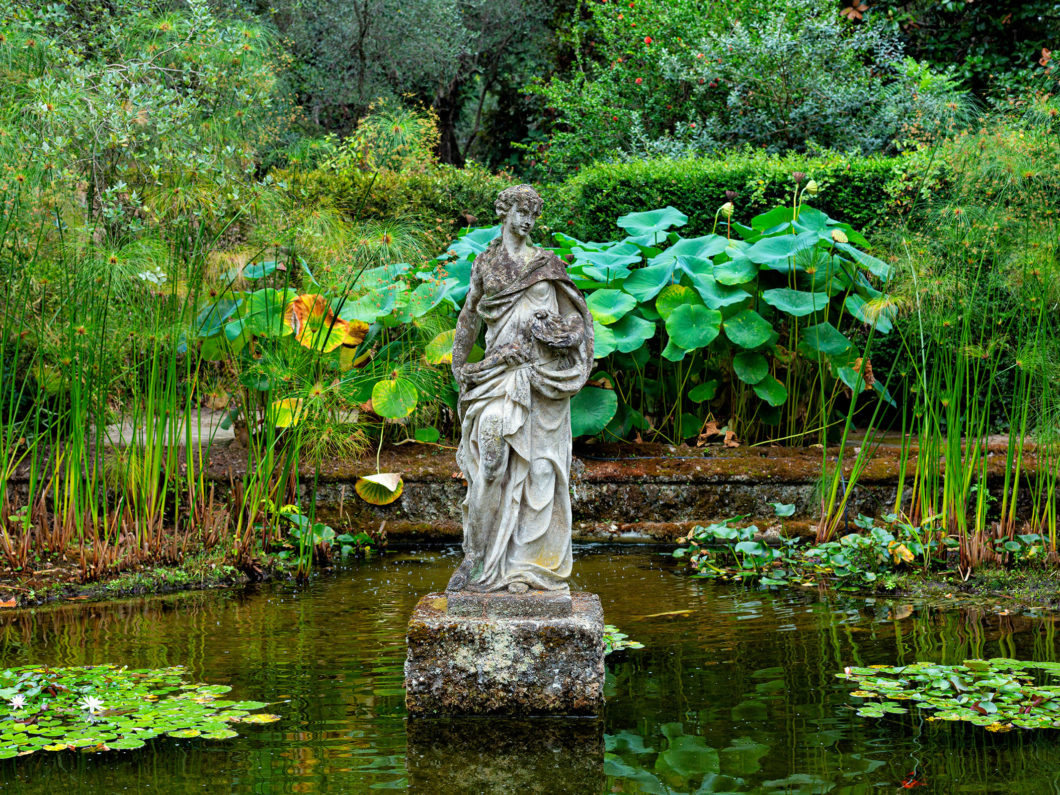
x: 467, y: 325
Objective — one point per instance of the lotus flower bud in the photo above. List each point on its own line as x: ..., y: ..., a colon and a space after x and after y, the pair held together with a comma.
x: 812, y: 188
x: 726, y: 210
x: 839, y: 236
x: 798, y: 176
x: 730, y: 195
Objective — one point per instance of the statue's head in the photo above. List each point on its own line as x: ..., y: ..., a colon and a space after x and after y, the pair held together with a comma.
x: 522, y: 196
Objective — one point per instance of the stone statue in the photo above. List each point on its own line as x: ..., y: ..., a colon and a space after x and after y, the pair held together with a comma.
x: 514, y: 409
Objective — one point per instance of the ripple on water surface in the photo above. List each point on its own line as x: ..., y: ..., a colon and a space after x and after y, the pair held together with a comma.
x: 734, y: 692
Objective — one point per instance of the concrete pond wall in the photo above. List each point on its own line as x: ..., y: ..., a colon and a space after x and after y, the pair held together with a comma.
x: 618, y: 493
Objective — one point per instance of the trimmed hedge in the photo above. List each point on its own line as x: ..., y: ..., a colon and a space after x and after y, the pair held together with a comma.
x: 442, y: 194
x: 856, y: 189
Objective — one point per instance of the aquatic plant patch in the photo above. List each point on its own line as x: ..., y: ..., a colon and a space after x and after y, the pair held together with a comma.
x: 616, y: 640
x: 105, y: 708
x: 999, y: 694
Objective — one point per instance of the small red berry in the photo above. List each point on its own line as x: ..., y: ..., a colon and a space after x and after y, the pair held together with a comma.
x: 638, y: 81
x: 647, y: 39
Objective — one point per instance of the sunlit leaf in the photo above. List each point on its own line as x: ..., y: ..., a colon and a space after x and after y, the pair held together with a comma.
x: 380, y: 489
x: 394, y: 398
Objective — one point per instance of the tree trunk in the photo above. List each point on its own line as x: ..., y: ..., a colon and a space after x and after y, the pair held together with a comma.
x: 448, y: 109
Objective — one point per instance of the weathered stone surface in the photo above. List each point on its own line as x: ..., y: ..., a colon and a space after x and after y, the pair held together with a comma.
x: 487, y: 756
x: 532, y: 604
x: 465, y: 665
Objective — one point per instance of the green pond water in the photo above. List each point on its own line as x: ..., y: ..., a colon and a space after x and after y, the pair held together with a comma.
x: 736, y: 695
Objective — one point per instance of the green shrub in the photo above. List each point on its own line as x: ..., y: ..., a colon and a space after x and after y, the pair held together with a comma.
x: 678, y: 78
x: 857, y: 190
x: 445, y: 197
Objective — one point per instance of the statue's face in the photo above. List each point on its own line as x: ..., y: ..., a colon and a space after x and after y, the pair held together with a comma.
x: 520, y: 219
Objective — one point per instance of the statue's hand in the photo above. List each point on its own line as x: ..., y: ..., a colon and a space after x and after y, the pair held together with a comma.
x: 515, y: 354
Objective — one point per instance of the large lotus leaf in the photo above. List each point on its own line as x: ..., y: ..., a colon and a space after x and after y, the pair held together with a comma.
x: 645, y: 283
x: 263, y: 312
x: 691, y: 249
x: 750, y: 367
x: 568, y: 243
x: 876, y: 313
x: 440, y: 349
x: 673, y: 352
x: 748, y: 329
x: 400, y: 315
x: 382, y: 488
x: 604, y: 342
x: 608, y: 306
x: 777, y: 253
x: 652, y: 221
x: 593, y: 278
x: 703, y: 392
x: 374, y: 278
x: 591, y: 409
x: 771, y: 391
x: 813, y: 220
x: 237, y: 335
x: 715, y: 295
x: 258, y: 270
x: 877, y: 267
x: 772, y: 218
x: 426, y: 297
x: 369, y: 307
x: 827, y: 339
x: 828, y: 276
x: 394, y: 398
x: 608, y: 260
x: 795, y: 302
x: 314, y: 325
x: 474, y: 241
x: 674, y: 296
x: 852, y: 378
x: 215, y: 315
x: 736, y: 271
x: 459, y: 270
x: 693, y: 326
x: 631, y: 332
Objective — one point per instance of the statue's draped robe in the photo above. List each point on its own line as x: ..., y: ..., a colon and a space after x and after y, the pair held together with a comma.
x: 515, y: 445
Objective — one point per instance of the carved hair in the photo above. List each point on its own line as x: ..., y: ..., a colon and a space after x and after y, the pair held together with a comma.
x: 518, y: 194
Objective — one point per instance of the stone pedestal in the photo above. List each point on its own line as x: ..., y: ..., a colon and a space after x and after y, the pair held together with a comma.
x: 505, y: 654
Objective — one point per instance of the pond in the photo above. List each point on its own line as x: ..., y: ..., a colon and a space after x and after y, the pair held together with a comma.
x: 734, y: 692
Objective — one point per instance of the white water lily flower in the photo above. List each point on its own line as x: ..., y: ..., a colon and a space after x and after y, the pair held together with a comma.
x: 91, y: 703
x: 18, y: 701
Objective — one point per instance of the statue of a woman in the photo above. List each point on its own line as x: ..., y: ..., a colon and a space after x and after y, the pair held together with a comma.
x: 515, y: 445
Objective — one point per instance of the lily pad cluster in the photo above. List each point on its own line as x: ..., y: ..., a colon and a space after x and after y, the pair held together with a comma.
x: 999, y: 694
x: 104, y: 708
x: 616, y: 640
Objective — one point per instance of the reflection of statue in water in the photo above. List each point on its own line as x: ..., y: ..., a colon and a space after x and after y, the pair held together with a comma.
x: 515, y: 445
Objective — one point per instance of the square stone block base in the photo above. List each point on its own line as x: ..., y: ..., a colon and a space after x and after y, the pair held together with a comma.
x: 481, y: 665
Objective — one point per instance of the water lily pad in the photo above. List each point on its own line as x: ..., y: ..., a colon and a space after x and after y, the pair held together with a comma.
x: 224, y: 734
x: 260, y: 718
x: 127, y: 708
